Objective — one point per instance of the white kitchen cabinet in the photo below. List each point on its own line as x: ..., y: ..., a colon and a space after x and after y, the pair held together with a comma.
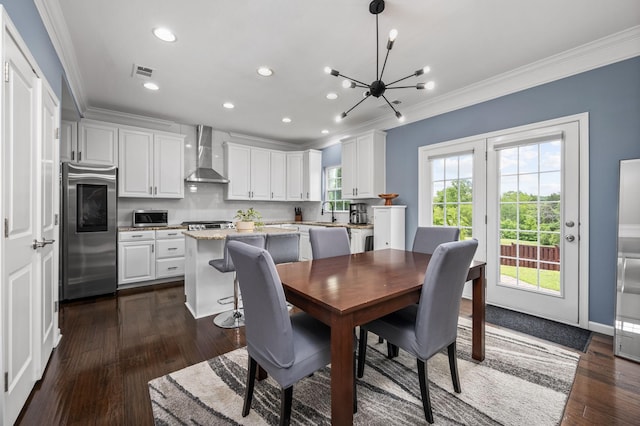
x: 97, y: 143
x: 304, y: 176
x: 169, y: 253
x: 388, y: 227
x: 260, y: 171
x: 358, y: 239
x: 363, y: 165
x: 136, y: 256
x: 68, y: 140
x: 151, y: 165
x: 295, y: 182
x: 278, y: 176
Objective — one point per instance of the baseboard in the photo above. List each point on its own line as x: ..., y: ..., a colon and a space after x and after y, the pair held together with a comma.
x: 601, y: 328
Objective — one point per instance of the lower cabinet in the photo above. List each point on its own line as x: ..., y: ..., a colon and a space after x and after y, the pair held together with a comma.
x: 359, y: 239
x: 149, y: 255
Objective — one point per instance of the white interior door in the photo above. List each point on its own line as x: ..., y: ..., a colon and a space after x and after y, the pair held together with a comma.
x: 20, y: 199
x: 48, y: 225
x: 533, y: 227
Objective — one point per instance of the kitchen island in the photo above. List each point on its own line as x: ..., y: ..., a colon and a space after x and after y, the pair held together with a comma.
x: 203, y: 284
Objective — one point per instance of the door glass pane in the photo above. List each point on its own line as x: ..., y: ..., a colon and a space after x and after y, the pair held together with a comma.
x: 530, y: 206
x: 452, y: 192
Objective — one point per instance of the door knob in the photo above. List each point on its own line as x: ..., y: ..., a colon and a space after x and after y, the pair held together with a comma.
x: 38, y: 244
x: 569, y: 223
x: 570, y: 238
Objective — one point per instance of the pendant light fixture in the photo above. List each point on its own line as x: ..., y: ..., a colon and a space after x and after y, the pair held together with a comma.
x: 378, y: 87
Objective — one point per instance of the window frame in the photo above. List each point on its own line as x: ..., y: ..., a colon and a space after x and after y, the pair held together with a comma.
x: 344, y: 203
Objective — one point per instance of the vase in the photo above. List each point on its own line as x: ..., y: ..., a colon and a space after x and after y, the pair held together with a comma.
x: 245, y: 226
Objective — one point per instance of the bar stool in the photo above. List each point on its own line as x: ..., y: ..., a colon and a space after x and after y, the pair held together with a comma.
x: 234, y: 318
x: 284, y: 248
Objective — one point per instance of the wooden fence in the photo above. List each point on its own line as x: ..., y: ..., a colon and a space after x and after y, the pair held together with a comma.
x: 549, y: 256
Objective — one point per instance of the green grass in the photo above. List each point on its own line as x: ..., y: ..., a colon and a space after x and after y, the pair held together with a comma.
x: 549, y: 280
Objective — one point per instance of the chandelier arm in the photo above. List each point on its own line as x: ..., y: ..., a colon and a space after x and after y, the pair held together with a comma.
x: 384, y: 65
x: 401, y: 87
x: 361, y: 101
x: 353, y: 79
x: 403, y: 78
x: 378, y: 76
x: 389, y: 103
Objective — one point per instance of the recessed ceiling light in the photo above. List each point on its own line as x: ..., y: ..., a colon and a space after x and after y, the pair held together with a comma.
x: 325, y: 131
x: 286, y: 120
x: 332, y: 95
x: 228, y: 105
x: 265, y: 71
x: 151, y: 86
x: 164, y: 34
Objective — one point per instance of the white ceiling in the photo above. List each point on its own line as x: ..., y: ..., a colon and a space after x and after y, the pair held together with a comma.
x: 221, y: 43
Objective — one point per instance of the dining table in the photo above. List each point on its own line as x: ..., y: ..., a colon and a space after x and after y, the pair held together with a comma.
x: 346, y: 291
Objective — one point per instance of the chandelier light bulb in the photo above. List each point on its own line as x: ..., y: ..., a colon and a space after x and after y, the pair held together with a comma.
x: 430, y: 85
x: 400, y: 117
x: 393, y: 34
x: 327, y: 70
x: 340, y: 117
x: 348, y: 84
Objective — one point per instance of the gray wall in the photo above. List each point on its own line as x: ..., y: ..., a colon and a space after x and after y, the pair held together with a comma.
x: 25, y: 16
x: 611, y: 96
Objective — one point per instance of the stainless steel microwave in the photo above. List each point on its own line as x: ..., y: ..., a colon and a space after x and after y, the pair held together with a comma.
x: 148, y: 218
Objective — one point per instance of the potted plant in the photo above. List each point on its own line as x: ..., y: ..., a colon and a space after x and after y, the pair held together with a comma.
x: 248, y: 220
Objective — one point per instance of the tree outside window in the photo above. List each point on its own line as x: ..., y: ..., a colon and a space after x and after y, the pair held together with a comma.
x: 333, y: 186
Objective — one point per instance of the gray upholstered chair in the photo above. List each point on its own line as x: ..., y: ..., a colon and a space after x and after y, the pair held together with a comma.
x: 284, y: 248
x: 234, y: 318
x: 426, y: 328
x: 289, y: 348
x: 329, y: 242
x: 429, y: 237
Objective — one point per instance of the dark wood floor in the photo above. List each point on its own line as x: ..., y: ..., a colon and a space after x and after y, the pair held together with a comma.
x: 112, y: 346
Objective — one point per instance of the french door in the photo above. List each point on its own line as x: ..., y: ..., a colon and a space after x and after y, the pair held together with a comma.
x: 518, y: 191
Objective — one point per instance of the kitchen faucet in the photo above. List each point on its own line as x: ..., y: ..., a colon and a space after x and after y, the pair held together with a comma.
x: 333, y: 216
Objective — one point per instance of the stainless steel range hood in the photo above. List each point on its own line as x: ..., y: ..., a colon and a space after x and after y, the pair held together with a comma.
x: 204, y: 172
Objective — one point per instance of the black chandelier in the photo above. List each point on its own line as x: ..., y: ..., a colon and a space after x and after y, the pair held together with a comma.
x: 378, y: 87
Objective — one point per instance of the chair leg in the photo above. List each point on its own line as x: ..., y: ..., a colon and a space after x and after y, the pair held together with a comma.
x: 285, y: 406
x: 423, y: 378
x: 392, y: 350
x: 380, y: 339
x: 453, y: 366
x: 248, y: 391
x: 233, y: 318
x: 362, y: 352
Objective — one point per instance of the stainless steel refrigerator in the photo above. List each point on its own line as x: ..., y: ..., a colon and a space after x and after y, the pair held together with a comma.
x: 627, y: 326
x: 89, y: 230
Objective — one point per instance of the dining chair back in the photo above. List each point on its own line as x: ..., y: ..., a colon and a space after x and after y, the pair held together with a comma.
x: 329, y: 242
x: 284, y: 248
x: 427, y: 238
x: 234, y: 318
x: 289, y: 348
x: 426, y: 328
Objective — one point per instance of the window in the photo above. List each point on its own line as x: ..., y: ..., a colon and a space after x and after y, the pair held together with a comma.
x: 333, y: 189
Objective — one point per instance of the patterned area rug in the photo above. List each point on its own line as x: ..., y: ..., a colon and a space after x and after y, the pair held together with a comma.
x: 521, y: 381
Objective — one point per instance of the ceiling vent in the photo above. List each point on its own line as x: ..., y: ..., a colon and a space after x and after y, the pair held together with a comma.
x: 141, y: 72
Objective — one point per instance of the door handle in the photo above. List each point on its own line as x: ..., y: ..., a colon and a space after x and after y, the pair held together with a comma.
x: 39, y: 244
x: 570, y: 224
x: 570, y: 238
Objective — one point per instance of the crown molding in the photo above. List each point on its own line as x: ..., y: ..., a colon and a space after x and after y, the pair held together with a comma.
x: 56, y: 26
x: 127, y: 118
x: 249, y: 138
x: 605, y: 51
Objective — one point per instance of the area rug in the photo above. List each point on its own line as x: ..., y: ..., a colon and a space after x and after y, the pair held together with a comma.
x: 563, y: 334
x: 521, y: 381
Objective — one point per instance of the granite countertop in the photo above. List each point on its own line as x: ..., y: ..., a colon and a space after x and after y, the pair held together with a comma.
x: 150, y: 228
x: 334, y: 224
x: 221, y: 234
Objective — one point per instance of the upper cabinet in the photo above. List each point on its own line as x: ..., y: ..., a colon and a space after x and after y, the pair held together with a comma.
x: 304, y: 175
x: 151, y: 164
x: 68, y: 140
x: 97, y: 143
x: 363, y: 165
x: 270, y: 175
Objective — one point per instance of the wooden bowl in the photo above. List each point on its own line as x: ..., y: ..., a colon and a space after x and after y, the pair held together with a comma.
x: 387, y: 198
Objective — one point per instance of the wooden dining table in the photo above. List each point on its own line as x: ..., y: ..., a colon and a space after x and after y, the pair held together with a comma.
x: 346, y: 291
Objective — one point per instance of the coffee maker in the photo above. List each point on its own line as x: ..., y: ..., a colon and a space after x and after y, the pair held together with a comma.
x: 358, y: 213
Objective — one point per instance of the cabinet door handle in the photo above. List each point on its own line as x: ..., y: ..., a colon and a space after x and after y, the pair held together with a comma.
x: 73, y: 155
x: 172, y: 267
x: 172, y: 248
x: 151, y: 190
x: 173, y: 233
x: 272, y: 195
x: 79, y: 156
x: 152, y: 248
x: 136, y: 236
x: 307, y: 195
